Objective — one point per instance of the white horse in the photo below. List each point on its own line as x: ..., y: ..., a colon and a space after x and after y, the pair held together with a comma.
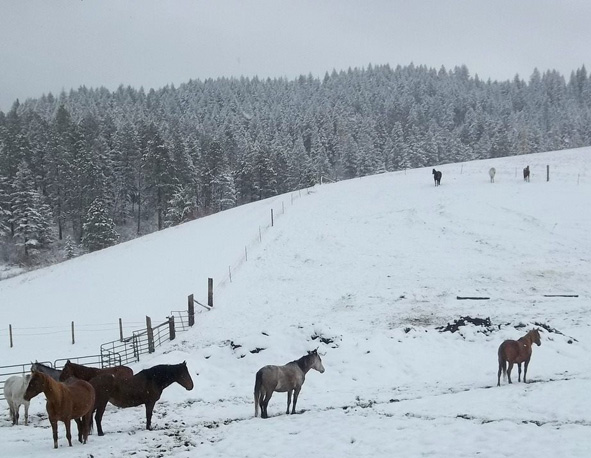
x: 14, y: 390
x: 492, y: 172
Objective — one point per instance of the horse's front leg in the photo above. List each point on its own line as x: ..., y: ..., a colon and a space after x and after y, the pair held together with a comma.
x: 288, y: 400
x: 80, y: 428
x: 519, y: 372
x: 296, y: 393
x: 525, y: 370
x: 54, y: 430
x: 149, y: 410
x: 68, y: 432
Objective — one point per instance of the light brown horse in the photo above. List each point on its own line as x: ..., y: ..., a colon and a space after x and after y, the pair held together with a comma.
x: 517, y: 351
x: 87, y: 373
x: 73, y: 400
x: 289, y: 377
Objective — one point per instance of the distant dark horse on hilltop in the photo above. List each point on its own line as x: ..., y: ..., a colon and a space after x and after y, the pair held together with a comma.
x: 526, y: 173
x: 437, y: 177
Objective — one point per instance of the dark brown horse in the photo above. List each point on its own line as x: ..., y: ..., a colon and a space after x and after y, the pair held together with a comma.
x: 517, y: 351
x: 73, y: 400
x: 526, y: 174
x: 87, y: 373
x: 143, y: 388
x: 437, y: 177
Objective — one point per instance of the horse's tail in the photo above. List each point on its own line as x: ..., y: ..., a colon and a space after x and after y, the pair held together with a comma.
x: 502, y: 362
x: 257, y: 392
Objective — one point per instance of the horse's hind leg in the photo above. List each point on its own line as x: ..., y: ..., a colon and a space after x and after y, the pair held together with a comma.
x: 265, y: 403
x: 519, y: 372
x: 509, y: 372
x: 68, y: 432
x: 80, y: 425
x: 13, y: 414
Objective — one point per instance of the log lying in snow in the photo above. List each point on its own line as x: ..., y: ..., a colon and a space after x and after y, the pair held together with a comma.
x: 473, y: 298
x: 561, y: 295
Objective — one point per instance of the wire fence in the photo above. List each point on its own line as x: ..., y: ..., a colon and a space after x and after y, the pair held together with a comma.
x: 127, y: 350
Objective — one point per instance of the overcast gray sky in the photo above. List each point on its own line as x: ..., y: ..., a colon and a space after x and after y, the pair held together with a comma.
x: 50, y: 45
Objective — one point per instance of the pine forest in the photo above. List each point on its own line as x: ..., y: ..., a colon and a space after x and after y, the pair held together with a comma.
x: 83, y: 170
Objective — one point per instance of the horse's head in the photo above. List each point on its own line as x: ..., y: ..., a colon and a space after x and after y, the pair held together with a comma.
x: 35, y: 386
x: 316, y: 362
x: 183, y: 377
x: 67, y: 371
x: 535, y: 336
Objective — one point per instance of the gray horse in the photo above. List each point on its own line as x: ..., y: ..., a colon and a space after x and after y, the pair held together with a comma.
x: 288, y: 378
x: 491, y: 173
x: 53, y: 373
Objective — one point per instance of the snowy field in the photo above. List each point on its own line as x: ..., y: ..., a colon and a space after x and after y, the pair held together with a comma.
x: 366, y: 270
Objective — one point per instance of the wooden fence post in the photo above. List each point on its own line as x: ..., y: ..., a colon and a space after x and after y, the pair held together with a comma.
x: 271, y: 217
x: 191, y: 310
x: 73, y: 340
x: 120, y: 330
x: 10, y: 333
x: 245, y: 254
x: 150, y: 333
x: 171, y: 329
x: 547, y: 173
x: 210, y: 292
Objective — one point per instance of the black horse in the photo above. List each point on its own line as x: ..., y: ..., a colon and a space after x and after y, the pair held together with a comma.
x: 437, y: 177
x: 145, y: 387
x: 526, y: 174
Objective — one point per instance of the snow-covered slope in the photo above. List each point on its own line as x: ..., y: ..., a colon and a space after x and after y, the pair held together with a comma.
x: 366, y: 270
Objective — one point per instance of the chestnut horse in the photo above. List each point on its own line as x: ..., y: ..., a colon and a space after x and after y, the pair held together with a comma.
x: 517, y: 351
x: 68, y: 401
x: 87, y: 373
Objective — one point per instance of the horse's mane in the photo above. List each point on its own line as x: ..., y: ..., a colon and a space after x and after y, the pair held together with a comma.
x: 303, y: 362
x: 161, y: 372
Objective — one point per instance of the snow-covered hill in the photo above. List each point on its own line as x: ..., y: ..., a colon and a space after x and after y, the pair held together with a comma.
x: 366, y: 270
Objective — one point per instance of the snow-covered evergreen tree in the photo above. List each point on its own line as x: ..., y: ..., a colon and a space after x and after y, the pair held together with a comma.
x: 31, y: 216
x: 98, y: 230
x: 181, y: 207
